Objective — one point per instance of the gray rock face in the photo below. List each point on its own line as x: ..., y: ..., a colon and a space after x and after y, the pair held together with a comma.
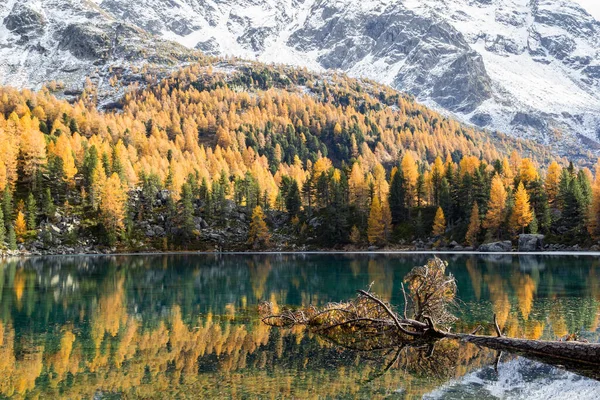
x: 496, y: 247
x: 523, y: 68
x: 529, y: 243
x: 23, y: 20
x: 72, y: 40
x: 86, y: 42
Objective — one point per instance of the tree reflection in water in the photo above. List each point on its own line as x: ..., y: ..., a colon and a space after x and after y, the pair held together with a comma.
x: 187, y: 325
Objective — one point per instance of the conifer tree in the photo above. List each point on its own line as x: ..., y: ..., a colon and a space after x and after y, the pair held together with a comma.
x: 113, y: 207
x: 593, y: 225
x: 48, y: 208
x: 439, y: 223
x: 187, y: 209
x: 7, y: 207
x: 474, y: 226
x: 355, y: 235
x: 293, y: 201
x: 376, y: 225
x: 20, y: 226
x: 521, y: 215
x: 2, y: 228
x: 397, y: 197
x: 12, y: 238
x: 31, y: 212
x: 496, y: 207
x: 258, y: 235
x: 551, y: 184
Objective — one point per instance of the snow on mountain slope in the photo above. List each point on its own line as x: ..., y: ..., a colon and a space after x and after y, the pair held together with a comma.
x: 519, y: 379
x: 591, y: 6
x: 72, y: 40
x: 526, y: 67
x: 530, y: 68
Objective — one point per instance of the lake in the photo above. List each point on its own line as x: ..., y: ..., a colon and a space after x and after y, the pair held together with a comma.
x: 186, y: 326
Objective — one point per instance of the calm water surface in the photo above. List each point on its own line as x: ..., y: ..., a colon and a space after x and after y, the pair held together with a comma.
x: 186, y: 326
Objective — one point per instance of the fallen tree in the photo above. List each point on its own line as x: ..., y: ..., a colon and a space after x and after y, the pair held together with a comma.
x: 367, y: 323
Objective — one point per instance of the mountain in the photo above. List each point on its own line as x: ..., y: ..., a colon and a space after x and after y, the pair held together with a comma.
x: 69, y: 41
x: 530, y: 68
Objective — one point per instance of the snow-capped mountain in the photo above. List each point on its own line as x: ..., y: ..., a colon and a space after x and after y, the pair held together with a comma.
x: 71, y: 40
x: 530, y: 68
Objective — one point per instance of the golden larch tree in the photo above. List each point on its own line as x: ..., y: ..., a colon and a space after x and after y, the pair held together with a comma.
x: 376, y: 226
x: 113, y: 202
x: 474, y: 226
x: 522, y: 214
x: 439, y: 223
x: 496, y: 206
x: 411, y: 174
x: 593, y: 225
x: 552, y: 181
x: 528, y: 172
x: 258, y: 235
x: 20, y: 226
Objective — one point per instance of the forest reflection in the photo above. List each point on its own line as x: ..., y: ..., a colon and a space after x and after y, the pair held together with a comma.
x: 186, y: 325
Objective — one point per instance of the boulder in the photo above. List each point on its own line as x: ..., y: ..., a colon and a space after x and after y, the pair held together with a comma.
x: 496, y: 247
x: 528, y: 242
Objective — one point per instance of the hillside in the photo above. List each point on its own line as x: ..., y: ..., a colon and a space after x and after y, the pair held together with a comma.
x: 240, y: 155
x: 526, y: 68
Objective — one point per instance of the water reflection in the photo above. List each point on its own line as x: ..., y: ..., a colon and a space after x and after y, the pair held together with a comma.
x: 187, y: 326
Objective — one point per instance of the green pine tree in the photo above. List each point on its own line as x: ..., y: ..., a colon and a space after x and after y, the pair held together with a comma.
x: 32, y: 212
x: 12, y: 238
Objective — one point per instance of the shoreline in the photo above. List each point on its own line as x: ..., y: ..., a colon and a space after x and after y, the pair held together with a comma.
x: 20, y: 254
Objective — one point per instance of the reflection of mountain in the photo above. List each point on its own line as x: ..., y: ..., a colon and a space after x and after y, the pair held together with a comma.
x: 187, y: 324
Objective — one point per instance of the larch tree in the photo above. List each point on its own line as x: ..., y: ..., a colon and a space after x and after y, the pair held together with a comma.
x: 439, y: 223
x: 20, y: 226
x: 593, y: 225
x: 551, y: 184
x: 258, y: 235
x: 521, y: 215
x: 113, y: 207
x: 33, y: 147
x: 410, y: 173
x: 496, y: 207
x: 474, y: 226
x: 376, y: 225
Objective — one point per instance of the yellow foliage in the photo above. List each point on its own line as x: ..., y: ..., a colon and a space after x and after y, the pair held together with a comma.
x: 439, y: 223
x: 522, y: 214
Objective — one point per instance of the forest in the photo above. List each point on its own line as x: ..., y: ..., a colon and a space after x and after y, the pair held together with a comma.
x: 247, y: 156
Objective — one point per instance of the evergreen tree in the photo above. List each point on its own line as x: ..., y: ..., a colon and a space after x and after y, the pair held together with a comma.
x: 48, y: 208
x: 2, y: 228
x: 187, y: 209
x: 12, y: 238
x: 31, y: 212
x: 397, y: 197
x: 7, y: 207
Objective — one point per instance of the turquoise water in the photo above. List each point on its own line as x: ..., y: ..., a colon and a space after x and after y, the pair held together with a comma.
x: 186, y: 326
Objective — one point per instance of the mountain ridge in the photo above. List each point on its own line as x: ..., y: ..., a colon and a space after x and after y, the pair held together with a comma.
x: 527, y: 68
